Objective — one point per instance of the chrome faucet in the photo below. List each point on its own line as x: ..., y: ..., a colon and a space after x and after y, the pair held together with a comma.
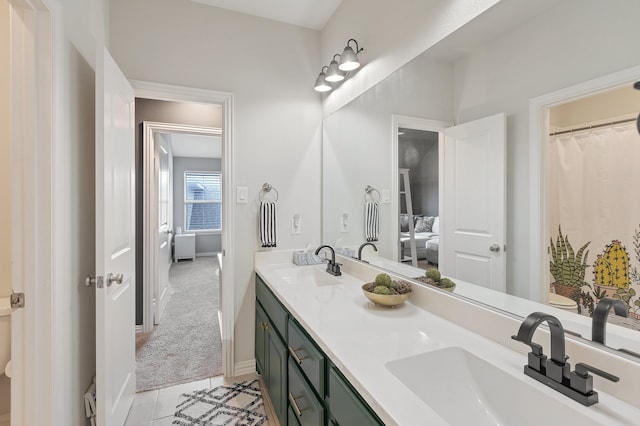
x: 600, y: 315
x: 363, y: 246
x: 556, y: 371
x: 332, y: 267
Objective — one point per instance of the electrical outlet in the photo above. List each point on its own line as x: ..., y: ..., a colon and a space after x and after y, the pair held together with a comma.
x: 344, y: 222
x: 296, y: 224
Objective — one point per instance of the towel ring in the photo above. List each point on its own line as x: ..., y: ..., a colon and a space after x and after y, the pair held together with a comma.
x: 368, y: 191
x: 266, y: 188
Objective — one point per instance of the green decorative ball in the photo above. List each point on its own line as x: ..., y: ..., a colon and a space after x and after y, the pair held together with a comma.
x: 383, y: 279
x: 432, y: 273
x: 446, y: 283
x: 381, y: 289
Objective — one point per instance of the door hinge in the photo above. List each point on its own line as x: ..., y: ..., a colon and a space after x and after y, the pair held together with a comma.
x: 90, y: 280
x: 17, y: 300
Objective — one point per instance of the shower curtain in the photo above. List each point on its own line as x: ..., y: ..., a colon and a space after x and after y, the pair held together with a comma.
x: 594, y: 196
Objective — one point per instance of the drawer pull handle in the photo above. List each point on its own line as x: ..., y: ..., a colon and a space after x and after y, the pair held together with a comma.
x: 294, y: 404
x: 295, y: 355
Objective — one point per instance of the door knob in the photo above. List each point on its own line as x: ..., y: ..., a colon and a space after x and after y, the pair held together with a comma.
x: 494, y: 248
x: 117, y: 279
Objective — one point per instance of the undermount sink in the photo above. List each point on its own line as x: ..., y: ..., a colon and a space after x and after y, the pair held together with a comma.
x: 309, y: 275
x: 464, y: 389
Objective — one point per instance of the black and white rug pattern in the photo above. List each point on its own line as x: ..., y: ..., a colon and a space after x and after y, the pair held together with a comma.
x: 239, y: 404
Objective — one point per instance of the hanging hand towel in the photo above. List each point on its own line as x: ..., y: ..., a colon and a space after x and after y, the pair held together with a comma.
x: 268, y: 224
x: 371, y: 221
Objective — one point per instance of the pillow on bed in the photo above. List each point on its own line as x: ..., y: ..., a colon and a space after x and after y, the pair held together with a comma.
x: 424, y: 224
x: 435, y: 228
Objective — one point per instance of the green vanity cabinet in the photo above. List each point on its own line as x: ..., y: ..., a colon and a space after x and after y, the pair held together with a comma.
x: 261, y: 334
x: 305, y: 408
x: 304, y: 387
x: 270, y: 347
x: 346, y: 406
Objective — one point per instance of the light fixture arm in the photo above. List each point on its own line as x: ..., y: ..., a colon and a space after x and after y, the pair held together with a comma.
x: 358, y: 49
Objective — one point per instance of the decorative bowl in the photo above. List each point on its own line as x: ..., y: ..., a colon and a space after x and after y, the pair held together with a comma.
x: 433, y: 283
x: 384, y: 299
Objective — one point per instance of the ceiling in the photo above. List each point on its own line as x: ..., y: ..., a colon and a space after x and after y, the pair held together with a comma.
x: 312, y: 14
x: 195, y: 146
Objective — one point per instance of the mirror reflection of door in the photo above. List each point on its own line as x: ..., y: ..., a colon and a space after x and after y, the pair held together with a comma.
x: 474, y: 203
x: 593, y: 147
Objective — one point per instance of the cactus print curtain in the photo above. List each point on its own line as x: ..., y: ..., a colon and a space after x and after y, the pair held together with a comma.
x: 594, y: 196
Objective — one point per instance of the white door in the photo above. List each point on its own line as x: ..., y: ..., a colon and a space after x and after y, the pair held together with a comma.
x: 473, y: 214
x: 163, y: 239
x: 115, y: 243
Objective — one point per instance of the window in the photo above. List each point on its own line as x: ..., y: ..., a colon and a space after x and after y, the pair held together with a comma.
x: 202, y: 201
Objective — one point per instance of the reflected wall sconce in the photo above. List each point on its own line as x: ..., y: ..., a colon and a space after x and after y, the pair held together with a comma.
x: 338, y: 70
x: 321, y: 83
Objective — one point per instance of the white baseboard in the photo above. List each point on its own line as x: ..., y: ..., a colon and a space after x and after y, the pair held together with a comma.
x: 244, y: 367
x: 207, y: 254
x: 138, y: 328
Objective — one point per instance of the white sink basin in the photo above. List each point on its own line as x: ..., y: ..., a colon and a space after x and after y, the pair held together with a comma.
x: 308, y: 275
x: 466, y: 390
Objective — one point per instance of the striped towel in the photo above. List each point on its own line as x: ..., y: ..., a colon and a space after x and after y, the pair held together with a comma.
x: 371, y: 221
x: 268, y: 224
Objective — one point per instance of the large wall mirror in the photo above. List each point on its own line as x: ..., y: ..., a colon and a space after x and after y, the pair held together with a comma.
x: 497, y: 65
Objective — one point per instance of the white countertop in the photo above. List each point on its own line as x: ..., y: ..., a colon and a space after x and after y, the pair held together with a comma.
x: 617, y: 335
x: 360, y: 338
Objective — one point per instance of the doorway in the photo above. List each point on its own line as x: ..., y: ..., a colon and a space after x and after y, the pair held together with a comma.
x: 224, y: 101
x: 418, y: 159
x: 180, y: 338
x: 540, y: 127
x: 592, y: 146
x: 417, y: 144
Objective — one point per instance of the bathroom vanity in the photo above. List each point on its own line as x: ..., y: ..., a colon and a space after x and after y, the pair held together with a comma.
x: 324, y: 350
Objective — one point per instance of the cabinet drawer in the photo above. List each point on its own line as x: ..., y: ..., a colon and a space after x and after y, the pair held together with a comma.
x: 345, y: 404
x: 303, y: 403
x: 274, y: 310
x: 307, y: 355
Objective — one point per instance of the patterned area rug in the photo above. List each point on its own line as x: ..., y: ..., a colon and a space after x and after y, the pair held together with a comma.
x: 239, y: 404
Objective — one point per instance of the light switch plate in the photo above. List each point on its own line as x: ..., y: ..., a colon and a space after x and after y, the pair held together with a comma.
x: 242, y: 194
x: 386, y: 196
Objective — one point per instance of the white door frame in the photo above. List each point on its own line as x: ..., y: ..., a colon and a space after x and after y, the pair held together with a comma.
x: 38, y: 346
x: 167, y: 92
x: 150, y: 227
x: 414, y: 123
x: 538, y: 130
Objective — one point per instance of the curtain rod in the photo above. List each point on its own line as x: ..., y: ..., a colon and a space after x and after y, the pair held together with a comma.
x: 612, y: 123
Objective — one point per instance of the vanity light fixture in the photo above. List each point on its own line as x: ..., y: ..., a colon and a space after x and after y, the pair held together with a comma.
x: 339, y: 69
x: 334, y: 74
x: 349, y: 59
x: 321, y: 84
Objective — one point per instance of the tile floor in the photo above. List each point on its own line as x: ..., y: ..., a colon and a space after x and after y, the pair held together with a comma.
x: 156, y: 407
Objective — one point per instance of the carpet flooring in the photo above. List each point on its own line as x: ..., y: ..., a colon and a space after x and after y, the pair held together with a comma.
x: 186, y: 345
x: 239, y: 404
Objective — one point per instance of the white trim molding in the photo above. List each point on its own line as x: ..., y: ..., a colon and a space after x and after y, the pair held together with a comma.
x: 245, y: 367
x: 538, y: 129
x: 188, y: 94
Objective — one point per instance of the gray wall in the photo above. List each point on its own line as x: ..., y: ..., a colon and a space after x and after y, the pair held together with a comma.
x: 419, y: 154
x: 194, y: 114
x: 205, y: 243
